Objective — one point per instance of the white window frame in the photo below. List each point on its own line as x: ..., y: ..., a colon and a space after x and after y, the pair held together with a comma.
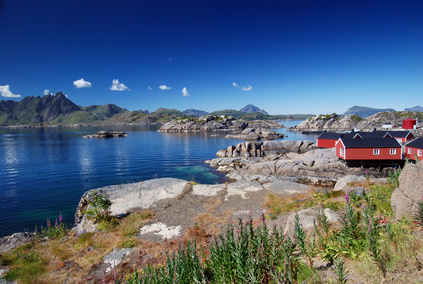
x: 409, y: 151
x: 419, y: 153
x: 376, y: 152
x: 341, y: 152
x: 393, y: 151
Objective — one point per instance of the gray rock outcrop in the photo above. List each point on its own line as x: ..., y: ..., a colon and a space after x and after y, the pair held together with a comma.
x: 13, y: 241
x: 214, y: 123
x: 127, y: 197
x: 266, y: 148
x: 204, y: 123
x: 405, y: 198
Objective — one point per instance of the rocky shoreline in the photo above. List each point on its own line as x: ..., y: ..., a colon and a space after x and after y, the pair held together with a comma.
x: 285, y: 169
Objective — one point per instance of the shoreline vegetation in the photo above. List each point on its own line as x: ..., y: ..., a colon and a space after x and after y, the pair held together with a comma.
x: 365, y: 244
x: 240, y: 232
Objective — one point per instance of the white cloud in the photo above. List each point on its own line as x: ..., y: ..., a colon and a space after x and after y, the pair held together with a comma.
x: 164, y: 87
x: 81, y: 83
x: 46, y: 92
x: 185, y: 92
x: 116, y: 86
x: 150, y: 88
x: 5, y: 92
x: 248, y: 88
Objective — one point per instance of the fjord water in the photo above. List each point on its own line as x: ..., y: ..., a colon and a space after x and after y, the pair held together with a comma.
x: 44, y: 171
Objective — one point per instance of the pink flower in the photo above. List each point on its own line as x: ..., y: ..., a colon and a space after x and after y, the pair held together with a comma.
x: 347, y: 197
x: 60, y: 217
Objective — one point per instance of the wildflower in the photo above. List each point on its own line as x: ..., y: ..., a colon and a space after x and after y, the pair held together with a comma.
x: 48, y: 223
x: 55, y: 223
x: 347, y: 197
x: 60, y: 217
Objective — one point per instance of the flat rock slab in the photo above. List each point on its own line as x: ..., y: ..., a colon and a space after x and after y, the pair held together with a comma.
x: 286, y: 187
x: 242, y: 187
x: 142, y: 194
x: 207, y: 189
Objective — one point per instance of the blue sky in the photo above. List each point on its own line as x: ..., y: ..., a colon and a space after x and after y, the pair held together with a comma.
x: 295, y: 56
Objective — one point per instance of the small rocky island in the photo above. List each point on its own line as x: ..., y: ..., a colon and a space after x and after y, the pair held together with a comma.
x: 240, y: 129
x: 106, y: 134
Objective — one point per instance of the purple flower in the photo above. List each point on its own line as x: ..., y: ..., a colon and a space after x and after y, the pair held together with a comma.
x: 60, y: 217
x: 48, y: 223
x: 347, y: 197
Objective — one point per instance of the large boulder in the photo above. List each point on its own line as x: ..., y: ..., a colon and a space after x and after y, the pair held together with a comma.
x: 128, y: 197
x: 405, y: 198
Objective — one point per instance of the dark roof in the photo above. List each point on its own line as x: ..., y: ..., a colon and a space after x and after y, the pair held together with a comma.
x: 371, y: 143
x: 399, y: 133
x: 416, y: 143
x: 374, y: 134
x: 335, y: 135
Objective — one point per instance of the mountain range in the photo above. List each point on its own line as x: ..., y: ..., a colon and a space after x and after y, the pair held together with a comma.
x: 58, y: 109
x: 364, y: 112
x: 53, y: 109
x: 416, y: 108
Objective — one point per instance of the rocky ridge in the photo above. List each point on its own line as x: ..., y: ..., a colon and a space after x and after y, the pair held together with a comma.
x: 334, y: 122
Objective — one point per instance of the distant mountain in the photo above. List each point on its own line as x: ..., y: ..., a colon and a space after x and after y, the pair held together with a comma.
x: 416, y: 108
x: 52, y: 109
x: 195, y: 112
x: 229, y: 112
x: 364, y: 112
x: 252, y: 108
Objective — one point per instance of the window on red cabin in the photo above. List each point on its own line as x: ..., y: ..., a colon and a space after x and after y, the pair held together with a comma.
x: 409, y: 150
x: 341, y: 152
x: 376, y: 151
x: 392, y: 151
x: 419, y: 153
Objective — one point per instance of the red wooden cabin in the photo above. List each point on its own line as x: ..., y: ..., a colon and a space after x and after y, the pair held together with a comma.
x: 369, y: 151
x: 414, y: 149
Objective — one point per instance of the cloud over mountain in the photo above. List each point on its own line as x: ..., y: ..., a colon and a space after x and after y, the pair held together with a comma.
x: 248, y: 88
x: 81, y: 83
x: 116, y: 86
x: 185, y: 92
x: 5, y: 92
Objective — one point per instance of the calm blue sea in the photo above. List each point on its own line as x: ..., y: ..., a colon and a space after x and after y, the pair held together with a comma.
x: 44, y: 171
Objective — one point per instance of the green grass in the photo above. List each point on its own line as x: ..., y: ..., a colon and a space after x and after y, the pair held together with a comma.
x: 24, y: 264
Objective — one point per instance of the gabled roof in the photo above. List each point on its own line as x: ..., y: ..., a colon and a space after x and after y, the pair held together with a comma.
x: 416, y: 143
x: 371, y: 143
x: 329, y: 135
x: 336, y: 135
x: 400, y: 133
x: 375, y: 134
